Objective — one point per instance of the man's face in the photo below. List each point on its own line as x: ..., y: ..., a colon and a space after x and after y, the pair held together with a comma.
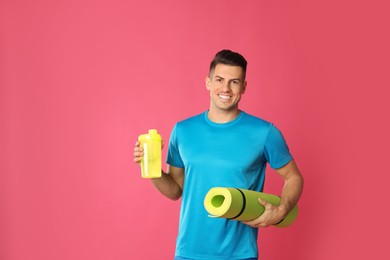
x: 226, y: 85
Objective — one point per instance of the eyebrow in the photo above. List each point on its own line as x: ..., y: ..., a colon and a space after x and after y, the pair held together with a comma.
x: 216, y: 76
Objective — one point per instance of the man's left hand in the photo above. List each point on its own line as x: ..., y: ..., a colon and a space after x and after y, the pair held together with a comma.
x: 271, y: 215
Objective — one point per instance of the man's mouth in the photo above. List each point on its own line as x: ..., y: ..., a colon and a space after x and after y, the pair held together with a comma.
x: 224, y: 97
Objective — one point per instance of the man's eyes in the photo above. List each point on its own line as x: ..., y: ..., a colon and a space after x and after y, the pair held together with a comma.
x: 233, y: 82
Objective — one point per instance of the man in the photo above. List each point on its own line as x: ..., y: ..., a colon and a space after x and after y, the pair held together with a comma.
x: 224, y: 147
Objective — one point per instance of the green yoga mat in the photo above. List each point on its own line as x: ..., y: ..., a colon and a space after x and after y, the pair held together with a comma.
x: 242, y: 205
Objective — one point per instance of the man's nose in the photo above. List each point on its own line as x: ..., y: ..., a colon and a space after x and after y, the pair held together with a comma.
x: 226, y: 86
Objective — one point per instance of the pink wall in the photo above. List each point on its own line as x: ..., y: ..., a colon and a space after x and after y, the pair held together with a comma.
x: 80, y: 80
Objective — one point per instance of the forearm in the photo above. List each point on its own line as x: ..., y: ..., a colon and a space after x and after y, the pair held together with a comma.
x: 168, y: 186
x: 291, y: 193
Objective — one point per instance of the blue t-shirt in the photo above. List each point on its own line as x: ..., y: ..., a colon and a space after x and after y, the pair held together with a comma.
x: 232, y: 154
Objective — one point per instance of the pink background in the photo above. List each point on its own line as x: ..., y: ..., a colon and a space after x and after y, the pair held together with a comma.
x: 80, y: 80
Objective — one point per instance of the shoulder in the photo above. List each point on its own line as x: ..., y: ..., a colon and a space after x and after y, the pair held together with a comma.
x: 188, y: 127
x: 255, y: 120
x: 191, y: 120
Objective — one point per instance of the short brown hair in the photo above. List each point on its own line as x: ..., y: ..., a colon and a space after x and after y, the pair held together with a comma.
x: 228, y: 57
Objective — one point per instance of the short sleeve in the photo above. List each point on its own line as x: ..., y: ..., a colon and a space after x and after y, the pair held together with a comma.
x: 173, y: 156
x: 276, y: 150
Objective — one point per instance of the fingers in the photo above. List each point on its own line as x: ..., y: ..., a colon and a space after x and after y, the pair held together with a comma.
x: 260, y: 221
x: 138, y: 152
x: 266, y: 219
x: 263, y: 202
x: 256, y: 223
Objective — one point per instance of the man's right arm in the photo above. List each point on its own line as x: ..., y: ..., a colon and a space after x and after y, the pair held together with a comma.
x: 170, y: 184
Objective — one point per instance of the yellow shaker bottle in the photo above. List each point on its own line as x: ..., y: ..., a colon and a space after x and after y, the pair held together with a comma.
x: 151, y: 161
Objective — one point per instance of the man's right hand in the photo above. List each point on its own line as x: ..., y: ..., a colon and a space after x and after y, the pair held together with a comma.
x: 170, y: 185
x: 138, y: 152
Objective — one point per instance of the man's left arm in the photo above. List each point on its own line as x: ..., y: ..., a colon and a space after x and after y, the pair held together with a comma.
x: 291, y: 192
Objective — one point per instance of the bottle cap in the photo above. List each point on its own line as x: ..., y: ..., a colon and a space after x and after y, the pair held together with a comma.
x: 152, y: 131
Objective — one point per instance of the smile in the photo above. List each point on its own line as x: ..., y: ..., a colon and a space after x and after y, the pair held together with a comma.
x: 224, y: 97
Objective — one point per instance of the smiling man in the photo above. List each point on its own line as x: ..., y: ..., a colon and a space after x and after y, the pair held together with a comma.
x: 226, y: 84
x: 224, y: 147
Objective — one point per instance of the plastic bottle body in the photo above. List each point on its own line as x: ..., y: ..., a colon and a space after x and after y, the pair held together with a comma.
x: 151, y: 161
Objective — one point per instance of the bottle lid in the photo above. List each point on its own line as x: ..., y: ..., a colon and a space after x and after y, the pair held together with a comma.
x: 152, y: 131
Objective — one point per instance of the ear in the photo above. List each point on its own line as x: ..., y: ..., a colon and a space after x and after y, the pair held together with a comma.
x: 243, y: 87
x: 208, y: 82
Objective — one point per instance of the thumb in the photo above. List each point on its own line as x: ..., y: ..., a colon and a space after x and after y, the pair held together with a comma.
x: 262, y: 202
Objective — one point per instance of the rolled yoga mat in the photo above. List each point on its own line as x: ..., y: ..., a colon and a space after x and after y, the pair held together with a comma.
x: 242, y: 205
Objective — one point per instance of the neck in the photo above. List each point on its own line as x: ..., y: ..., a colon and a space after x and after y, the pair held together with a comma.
x: 221, y: 117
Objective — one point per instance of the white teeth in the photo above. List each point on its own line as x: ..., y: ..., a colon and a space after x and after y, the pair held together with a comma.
x: 224, y: 96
